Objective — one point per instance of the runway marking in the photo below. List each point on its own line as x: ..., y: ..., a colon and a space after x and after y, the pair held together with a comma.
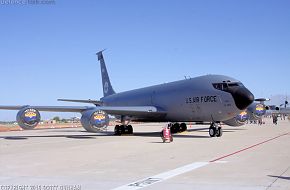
x: 247, y: 148
x: 184, y: 169
x: 163, y: 176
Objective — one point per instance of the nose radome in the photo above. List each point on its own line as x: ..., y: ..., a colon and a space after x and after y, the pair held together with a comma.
x: 243, y: 98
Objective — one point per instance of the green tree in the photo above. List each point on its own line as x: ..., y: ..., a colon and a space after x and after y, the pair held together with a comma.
x: 56, y: 118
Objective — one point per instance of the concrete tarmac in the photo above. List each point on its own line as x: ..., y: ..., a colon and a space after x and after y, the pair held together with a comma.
x: 247, y: 157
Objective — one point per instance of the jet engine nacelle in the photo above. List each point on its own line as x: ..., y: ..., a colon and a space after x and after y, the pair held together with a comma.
x: 94, y: 120
x: 256, y: 111
x: 272, y: 107
x: 28, y: 118
x: 239, y: 120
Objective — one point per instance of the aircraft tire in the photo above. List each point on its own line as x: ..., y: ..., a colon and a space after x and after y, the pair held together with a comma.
x: 130, y: 129
x: 183, y: 127
x: 219, y: 132
x: 123, y: 129
x: 172, y: 129
x: 212, y: 131
x: 175, y: 128
x: 118, y: 130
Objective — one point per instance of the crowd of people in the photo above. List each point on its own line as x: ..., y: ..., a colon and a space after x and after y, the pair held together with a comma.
x: 274, y: 117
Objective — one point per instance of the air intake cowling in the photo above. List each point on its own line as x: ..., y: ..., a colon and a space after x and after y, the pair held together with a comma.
x: 94, y: 120
x: 239, y: 120
x: 28, y: 118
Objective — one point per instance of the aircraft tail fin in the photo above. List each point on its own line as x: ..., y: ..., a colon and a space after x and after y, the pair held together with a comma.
x: 107, y: 87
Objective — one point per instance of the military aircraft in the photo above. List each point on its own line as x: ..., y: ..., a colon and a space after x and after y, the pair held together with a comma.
x: 254, y: 112
x: 282, y: 109
x: 208, y: 98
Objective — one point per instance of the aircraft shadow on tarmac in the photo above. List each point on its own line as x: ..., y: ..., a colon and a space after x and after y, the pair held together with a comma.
x: 89, y: 135
x: 25, y: 137
x: 185, y: 134
x: 279, y: 177
x: 205, y: 130
x: 151, y: 134
x: 157, y: 134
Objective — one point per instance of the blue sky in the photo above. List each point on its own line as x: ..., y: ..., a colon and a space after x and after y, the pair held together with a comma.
x: 48, y: 51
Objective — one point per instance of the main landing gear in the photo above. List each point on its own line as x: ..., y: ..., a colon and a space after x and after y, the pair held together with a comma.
x: 123, y: 129
x: 215, y: 130
x: 177, y: 128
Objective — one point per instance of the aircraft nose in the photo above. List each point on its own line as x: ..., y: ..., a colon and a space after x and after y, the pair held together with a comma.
x: 243, y: 97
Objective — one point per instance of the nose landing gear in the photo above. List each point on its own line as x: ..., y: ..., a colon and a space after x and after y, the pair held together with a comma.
x: 215, y: 130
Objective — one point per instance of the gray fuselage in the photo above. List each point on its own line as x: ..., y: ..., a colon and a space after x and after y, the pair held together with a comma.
x: 194, y: 99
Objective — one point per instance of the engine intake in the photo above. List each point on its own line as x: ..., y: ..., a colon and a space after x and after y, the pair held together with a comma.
x: 272, y: 107
x: 239, y: 120
x: 94, y: 120
x: 257, y: 111
x: 28, y: 118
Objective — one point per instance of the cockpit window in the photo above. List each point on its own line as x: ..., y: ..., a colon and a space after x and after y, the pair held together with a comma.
x: 233, y: 84
x: 220, y: 86
x: 225, y: 85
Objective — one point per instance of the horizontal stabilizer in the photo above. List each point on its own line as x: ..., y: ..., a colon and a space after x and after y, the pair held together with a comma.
x: 96, y: 102
x: 100, y: 54
x: 262, y: 99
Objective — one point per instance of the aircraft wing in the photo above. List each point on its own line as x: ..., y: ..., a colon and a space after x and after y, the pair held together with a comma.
x: 112, y: 110
x: 96, y: 102
x: 50, y: 108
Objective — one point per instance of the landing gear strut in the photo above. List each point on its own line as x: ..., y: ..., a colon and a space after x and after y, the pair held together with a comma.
x: 215, y: 130
x: 123, y: 129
